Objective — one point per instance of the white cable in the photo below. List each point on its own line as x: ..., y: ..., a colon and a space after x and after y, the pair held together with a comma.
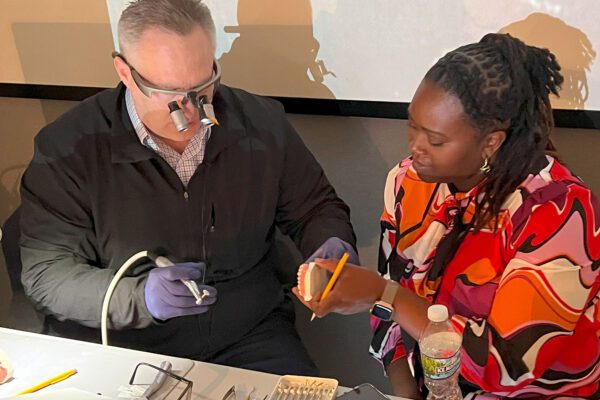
x: 111, y: 289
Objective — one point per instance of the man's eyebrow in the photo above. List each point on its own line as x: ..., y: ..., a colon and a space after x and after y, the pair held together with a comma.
x: 174, y: 88
x: 149, y: 82
x: 212, y: 72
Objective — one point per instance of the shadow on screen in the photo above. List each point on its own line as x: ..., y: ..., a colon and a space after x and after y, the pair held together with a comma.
x: 276, y: 52
x: 572, y: 48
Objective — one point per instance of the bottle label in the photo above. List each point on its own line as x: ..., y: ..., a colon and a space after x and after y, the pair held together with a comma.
x: 440, y: 368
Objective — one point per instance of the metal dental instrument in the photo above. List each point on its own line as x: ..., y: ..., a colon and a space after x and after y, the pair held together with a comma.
x: 162, y: 262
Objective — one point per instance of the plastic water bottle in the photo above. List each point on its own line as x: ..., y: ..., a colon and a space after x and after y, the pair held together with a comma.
x: 440, y: 355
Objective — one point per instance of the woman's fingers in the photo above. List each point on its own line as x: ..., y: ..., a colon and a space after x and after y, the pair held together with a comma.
x: 348, y: 293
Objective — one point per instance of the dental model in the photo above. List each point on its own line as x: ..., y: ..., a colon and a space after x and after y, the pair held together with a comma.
x: 311, y: 280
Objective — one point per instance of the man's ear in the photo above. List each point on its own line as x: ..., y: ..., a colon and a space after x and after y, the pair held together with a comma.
x: 492, y: 143
x: 123, y: 71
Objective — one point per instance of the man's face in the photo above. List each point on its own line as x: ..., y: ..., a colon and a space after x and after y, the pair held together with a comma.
x: 168, y: 61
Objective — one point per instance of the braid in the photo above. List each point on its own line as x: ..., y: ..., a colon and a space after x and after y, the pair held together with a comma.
x: 503, y: 84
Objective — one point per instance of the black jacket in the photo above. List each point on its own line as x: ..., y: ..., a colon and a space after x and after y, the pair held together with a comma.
x: 93, y: 196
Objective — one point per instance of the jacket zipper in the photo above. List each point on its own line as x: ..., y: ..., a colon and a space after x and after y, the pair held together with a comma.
x: 188, y: 226
x: 206, y: 230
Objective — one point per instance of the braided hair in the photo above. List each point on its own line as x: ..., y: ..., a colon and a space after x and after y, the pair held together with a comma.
x: 503, y: 84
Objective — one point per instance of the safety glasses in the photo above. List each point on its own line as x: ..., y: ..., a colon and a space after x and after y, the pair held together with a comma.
x: 166, y: 95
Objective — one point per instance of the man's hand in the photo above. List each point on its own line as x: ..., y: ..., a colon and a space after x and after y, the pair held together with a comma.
x: 167, y: 297
x: 334, y: 248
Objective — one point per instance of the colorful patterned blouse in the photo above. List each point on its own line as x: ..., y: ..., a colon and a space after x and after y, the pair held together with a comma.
x: 525, y: 297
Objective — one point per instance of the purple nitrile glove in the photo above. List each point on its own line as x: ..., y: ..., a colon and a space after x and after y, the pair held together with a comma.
x: 335, y: 247
x: 167, y: 297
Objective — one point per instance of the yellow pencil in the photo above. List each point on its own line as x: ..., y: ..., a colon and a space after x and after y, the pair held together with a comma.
x: 49, y: 382
x: 336, y: 274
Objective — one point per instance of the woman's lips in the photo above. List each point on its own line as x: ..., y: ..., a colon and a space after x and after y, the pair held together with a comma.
x: 418, y: 164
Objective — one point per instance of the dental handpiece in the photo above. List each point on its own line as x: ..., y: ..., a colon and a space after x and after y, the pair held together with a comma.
x: 162, y: 261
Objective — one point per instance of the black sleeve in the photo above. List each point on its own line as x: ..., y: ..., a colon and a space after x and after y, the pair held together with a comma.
x: 309, y: 209
x: 62, y: 272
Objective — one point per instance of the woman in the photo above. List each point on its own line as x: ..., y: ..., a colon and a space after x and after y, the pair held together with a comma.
x: 482, y: 219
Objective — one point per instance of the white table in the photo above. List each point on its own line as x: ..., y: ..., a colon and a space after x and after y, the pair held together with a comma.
x: 103, y: 369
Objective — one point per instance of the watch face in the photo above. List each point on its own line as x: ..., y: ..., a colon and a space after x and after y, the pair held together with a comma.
x: 382, y: 312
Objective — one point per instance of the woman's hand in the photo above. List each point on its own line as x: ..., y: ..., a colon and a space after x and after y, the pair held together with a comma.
x: 356, y: 289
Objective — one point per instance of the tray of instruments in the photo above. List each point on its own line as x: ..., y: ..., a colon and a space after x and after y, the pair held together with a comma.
x: 292, y: 387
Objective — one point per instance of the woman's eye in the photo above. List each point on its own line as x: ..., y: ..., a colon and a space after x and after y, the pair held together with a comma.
x: 435, y: 140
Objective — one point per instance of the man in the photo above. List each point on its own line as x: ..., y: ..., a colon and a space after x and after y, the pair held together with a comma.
x: 140, y: 167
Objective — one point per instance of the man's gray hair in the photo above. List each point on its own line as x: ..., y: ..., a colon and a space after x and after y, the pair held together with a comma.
x: 178, y: 16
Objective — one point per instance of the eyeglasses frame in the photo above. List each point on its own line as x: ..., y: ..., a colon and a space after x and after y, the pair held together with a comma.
x: 148, y: 88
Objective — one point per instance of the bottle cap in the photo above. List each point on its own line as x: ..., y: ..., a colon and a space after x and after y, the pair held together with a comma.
x: 437, y: 313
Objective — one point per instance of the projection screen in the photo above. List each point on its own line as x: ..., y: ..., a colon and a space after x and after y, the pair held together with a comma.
x: 378, y: 50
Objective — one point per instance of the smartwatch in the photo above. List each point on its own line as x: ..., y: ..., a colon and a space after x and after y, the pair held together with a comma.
x: 384, y: 309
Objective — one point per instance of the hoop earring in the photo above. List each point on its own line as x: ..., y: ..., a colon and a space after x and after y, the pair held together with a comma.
x: 486, y: 167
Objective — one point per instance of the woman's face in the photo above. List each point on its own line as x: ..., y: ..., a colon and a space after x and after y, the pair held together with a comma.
x: 444, y: 145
